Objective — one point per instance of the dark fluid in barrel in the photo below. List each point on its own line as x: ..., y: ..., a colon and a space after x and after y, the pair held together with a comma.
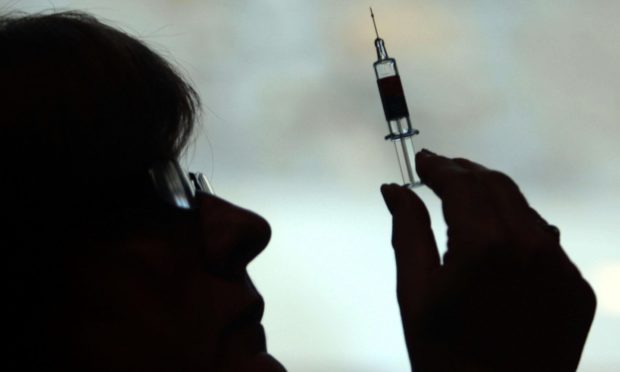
x: 393, y: 98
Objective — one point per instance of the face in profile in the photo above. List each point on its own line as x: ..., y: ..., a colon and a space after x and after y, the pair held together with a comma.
x: 176, y: 297
x: 92, y: 109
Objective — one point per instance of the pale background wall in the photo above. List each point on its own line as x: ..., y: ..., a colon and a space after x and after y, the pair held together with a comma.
x: 293, y: 129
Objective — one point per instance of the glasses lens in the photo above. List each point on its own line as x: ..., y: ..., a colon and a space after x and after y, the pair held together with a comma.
x: 175, y: 188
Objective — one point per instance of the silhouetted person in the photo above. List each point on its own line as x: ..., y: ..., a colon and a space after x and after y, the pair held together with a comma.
x: 113, y: 263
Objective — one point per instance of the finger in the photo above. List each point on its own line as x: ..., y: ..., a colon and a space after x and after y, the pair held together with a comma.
x: 524, y: 221
x: 437, y: 172
x: 413, y: 241
x: 463, y: 199
x: 470, y: 165
x: 506, y: 197
x: 528, y: 232
x: 468, y: 209
x: 505, y: 192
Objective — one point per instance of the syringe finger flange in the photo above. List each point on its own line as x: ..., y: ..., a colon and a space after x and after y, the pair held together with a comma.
x: 394, y: 137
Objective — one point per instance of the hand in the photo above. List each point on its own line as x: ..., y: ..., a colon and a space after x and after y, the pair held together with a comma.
x: 506, y: 298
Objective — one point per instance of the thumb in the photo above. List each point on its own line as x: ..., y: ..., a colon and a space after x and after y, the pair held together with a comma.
x: 414, y: 246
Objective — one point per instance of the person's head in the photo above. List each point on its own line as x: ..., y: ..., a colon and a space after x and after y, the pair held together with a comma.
x: 103, y: 273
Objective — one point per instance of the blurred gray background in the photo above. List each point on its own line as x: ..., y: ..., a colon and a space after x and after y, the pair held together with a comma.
x: 293, y: 129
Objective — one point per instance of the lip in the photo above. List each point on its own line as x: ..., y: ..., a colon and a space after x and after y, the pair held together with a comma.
x: 245, y: 333
x: 250, y: 315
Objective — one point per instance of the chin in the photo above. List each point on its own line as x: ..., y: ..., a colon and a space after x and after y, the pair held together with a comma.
x: 261, y: 362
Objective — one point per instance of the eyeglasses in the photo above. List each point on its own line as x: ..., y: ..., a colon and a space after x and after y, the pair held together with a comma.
x: 177, y: 187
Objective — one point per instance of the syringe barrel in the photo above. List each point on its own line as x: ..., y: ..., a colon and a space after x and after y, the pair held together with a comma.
x: 405, y: 152
x: 391, y: 90
x: 397, y: 117
x: 393, y: 99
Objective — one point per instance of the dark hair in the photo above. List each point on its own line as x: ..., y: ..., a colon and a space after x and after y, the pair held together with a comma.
x: 85, y: 111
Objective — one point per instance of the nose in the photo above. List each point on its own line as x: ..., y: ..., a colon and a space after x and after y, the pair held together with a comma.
x: 231, y: 236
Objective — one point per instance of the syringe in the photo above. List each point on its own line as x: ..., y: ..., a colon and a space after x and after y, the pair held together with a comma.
x: 396, y: 112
